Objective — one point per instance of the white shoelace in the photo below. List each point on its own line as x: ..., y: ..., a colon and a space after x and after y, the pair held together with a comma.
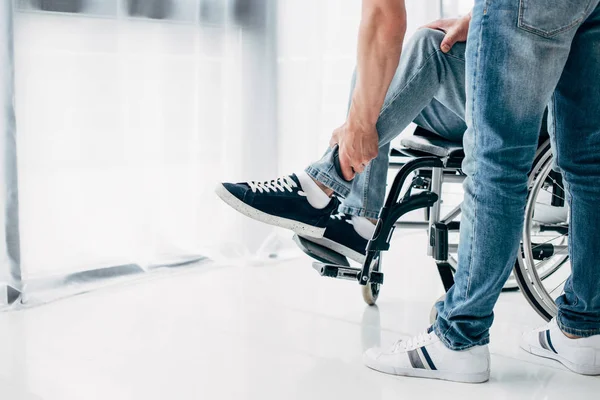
x: 412, y: 343
x: 277, y: 185
x: 337, y: 216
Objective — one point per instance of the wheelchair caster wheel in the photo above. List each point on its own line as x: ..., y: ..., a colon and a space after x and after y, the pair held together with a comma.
x: 370, y: 291
x: 433, y: 312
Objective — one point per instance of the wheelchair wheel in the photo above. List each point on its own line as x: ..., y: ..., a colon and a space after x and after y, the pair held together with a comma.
x: 433, y: 313
x: 370, y: 291
x: 543, y: 264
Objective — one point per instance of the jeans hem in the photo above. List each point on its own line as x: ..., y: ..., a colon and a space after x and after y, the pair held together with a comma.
x: 359, y: 212
x: 449, y: 345
x: 327, y: 180
x: 573, y: 331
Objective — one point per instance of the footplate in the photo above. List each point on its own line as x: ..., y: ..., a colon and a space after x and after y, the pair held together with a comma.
x: 320, y: 253
x: 345, y: 272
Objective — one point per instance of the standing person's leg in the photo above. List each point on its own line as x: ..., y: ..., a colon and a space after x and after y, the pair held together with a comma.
x: 575, y: 125
x: 518, y: 53
x: 515, y: 57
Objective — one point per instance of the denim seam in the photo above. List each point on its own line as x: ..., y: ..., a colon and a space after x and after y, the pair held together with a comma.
x: 366, y: 185
x: 474, y: 86
x: 557, y: 153
x: 572, y: 251
x: 475, y: 147
x: 453, y: 56
x: 553, y: 142
x: 443, y: 337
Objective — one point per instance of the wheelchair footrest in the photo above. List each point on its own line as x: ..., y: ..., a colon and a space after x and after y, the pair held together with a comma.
x: 320, y: 253
x: 344, y: 272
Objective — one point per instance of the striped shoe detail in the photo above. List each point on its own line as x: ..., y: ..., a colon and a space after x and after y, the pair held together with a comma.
x: 415, y: 360
x: 549, y: 341
x: 428, y: 358
x: 542, y: 340
x: 420, y: 359
x: 545, y: 341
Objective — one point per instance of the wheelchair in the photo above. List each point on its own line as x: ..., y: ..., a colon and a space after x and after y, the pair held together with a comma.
x: 427, y: 161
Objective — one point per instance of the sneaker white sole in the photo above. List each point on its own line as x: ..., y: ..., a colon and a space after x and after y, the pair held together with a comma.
x: 475, y: 377
x: 578, y: 368
x: 338, y: 248
x: 249, y: 211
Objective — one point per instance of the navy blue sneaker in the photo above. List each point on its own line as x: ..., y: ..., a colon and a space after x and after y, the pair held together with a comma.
x: 279, y: 202
x: 341, y: 237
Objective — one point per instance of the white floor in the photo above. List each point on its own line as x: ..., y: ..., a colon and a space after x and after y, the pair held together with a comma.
x: 256, y: 332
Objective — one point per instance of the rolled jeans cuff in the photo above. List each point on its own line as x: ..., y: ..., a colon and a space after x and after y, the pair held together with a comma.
x: 581, y: 331
x: 443, y: 338
x: 324, y: 172
x: 359, y: 212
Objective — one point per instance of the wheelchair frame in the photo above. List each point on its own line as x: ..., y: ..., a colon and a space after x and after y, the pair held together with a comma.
x: 430, y: 173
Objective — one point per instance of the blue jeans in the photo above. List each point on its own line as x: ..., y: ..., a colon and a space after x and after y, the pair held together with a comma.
x: 428, y: 89
x: 521, y: 56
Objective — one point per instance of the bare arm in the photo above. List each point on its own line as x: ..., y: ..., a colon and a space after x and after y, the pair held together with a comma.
x: 380, y: 39
x: 381, y: 34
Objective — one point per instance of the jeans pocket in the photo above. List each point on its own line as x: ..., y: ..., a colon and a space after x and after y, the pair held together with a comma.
x: 549, y: 18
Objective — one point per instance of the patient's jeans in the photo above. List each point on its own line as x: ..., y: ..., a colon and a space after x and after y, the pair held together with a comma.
x: 522, y: 55
x: 428, y: 89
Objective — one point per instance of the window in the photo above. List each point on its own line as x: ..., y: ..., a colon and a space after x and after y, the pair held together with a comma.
x: 453, y: 8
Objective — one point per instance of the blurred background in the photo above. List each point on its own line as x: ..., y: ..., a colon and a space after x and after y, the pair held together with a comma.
x: 130, y: 111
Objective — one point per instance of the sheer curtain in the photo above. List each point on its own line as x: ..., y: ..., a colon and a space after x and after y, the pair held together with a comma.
x: 10, y: 271
x: 125, y: 123
x: 129, y: 114
x: 451, y: 8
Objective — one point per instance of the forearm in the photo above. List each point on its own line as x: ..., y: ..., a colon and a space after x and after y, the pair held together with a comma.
x: 381, y: 35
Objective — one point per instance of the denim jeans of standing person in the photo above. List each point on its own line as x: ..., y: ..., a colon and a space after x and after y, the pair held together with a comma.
x: 429, y: 90
x: 521, y: 56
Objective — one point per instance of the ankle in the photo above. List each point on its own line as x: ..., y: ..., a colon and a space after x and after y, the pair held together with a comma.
x: 363, y: 226
x: 324, y: 188
x: 570, y: 336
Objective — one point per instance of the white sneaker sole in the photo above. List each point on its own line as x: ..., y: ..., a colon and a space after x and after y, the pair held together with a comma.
x: 476, y: 377
x: 249, y: 211
x: 578, y: 368
x: 339, y: 248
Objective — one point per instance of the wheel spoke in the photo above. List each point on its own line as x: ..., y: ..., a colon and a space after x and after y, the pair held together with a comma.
x: 554, y: 181
x: 553, y: 194
x: 562, y: 283
x: 547, y: 241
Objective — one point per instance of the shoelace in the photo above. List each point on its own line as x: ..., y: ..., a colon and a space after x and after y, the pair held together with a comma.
x: 339, y: 216
x: 276, y: 185
x: 342, y: 217
x: 412, y: 343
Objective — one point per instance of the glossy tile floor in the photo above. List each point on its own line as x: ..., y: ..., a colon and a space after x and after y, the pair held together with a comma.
x: 256, y: 332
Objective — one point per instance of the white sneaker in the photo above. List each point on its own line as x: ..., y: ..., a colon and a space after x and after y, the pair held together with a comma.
x: 425, y: 356
x: 578, y: 355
